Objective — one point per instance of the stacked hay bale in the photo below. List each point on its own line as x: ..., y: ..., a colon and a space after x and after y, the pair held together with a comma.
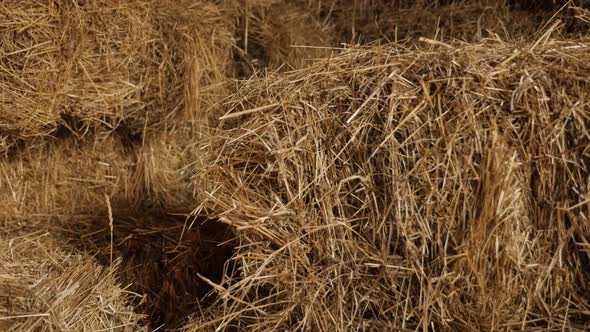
x: 88, y: 64
x: 276, y: 35
x: 170, y: 151
x: 105, y: 179
x: 442, y: 186
x: 80, y: 64
x: 44, y: 288
x: 84, y: 193
x: 370, y: 20
x: 137, y: 68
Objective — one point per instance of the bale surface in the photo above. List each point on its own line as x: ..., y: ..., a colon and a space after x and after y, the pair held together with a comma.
x: 65, y: 178
x: 430, y: 185
x: 44, y: 288
x: 86, y: 64
x: 442, y: 186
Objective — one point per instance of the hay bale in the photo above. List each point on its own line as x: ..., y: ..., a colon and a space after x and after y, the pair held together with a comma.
x: 45, y: 288
x: 435, y: 186
x: 276, y: 35
x: 367, y: 21
x: 29, y: 74
x: 68, y: 177
x: 200, y: 34
x: 86, y: 64
x: 170, y: 152
x: 69, y: 62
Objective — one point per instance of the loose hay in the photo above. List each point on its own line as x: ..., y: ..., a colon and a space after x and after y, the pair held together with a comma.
x: 442, y: 186
x: 438, y: 186
x: 44, y: 288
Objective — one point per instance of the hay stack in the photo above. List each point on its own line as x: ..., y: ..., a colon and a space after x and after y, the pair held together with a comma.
x: 86, y: 64
x: 77, y: 64
x: 169, y: 151
x: 367, y: 21
x: 44, y: 288
x: 266, y: 31
x: 440, y: 186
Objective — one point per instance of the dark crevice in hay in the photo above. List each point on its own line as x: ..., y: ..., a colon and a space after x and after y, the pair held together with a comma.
x: 129, y: 136
x: 161, y: 257
x: 10, y: 148
x: 69, y: 124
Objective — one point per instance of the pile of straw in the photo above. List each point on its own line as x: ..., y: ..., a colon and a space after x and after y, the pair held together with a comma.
x: 44, y: 288
x: 440, y: 186
x: 93, y: 196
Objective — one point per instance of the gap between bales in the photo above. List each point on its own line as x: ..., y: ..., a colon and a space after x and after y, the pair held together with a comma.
x: 71, y: 188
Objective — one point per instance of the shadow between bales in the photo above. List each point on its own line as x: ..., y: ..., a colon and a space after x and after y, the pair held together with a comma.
x: 161, y: 257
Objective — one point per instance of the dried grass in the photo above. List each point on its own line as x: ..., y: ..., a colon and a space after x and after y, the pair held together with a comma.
x: 44, y: 288
x: 430, y: 185
x: 441, y: 186
x: 66, y: 177
x: 166, y: 164
x: 582, y: 14
x: 275, y: 35
x: 369, y: 20
x: 99, y: 63
x: 93, y: 197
